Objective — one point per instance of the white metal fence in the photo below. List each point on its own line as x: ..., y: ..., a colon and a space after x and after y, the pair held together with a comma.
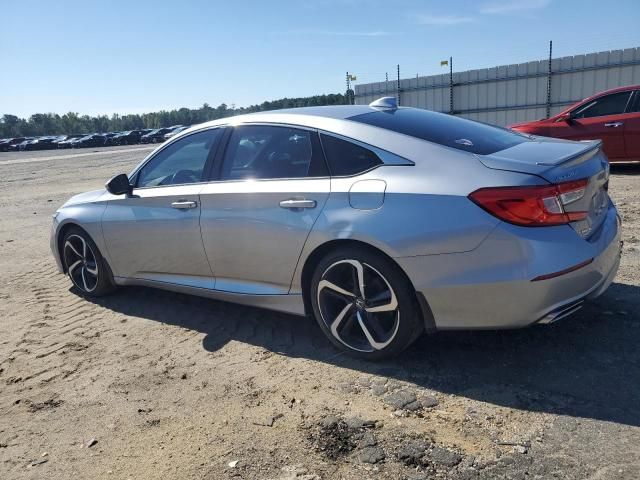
x: 513, y: 93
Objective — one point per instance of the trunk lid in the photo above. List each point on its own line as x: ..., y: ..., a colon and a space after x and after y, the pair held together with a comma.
x: 559, y: 161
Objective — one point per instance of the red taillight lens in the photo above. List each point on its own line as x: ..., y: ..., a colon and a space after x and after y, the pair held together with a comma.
x: 533, y: 206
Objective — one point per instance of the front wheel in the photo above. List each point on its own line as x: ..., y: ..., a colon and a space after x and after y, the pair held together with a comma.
x: 364, y: 303
x: 85, y: 265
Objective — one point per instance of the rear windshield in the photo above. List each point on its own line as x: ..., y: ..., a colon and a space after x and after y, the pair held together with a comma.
x: 443, y: 129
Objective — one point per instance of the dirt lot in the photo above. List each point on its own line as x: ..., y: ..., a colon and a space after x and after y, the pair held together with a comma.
x: 149, y: 384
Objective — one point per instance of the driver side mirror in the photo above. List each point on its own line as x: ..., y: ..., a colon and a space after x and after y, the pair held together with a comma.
x: 119, y: 185
x: 566, y: 117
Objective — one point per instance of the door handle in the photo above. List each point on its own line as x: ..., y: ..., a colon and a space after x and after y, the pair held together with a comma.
x: 614, y: 124
x: 184, y: 204
x: 297, y: 203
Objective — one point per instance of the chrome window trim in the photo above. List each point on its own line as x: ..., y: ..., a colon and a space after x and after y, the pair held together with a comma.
x: 254, y: 180
x: 387, y: 158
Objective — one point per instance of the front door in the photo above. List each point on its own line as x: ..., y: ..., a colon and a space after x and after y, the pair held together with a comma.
x: 154, y: 234
x: 271, y: 187
x: 599, y: 119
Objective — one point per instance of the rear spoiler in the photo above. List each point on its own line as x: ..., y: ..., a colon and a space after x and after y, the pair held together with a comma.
x: 592, y: 148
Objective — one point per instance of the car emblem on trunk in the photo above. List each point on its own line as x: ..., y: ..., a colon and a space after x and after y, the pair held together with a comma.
x: 566, y: 175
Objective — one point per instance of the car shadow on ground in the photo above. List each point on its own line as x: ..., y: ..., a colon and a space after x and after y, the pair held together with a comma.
x: 587, y: 365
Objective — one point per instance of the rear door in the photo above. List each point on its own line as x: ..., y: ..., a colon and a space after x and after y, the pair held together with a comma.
x: 601, y: 119
x: 632, y: 128
x: 270, y: 187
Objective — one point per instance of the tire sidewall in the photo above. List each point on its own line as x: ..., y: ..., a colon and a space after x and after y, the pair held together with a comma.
x: 410, y: 323
x: 105, y: 278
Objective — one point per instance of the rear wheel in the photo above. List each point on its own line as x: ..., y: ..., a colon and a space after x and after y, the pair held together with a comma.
x: 85, y: 265
x: 364, y: 303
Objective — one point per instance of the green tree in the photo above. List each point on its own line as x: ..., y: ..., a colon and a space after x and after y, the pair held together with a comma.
x: 73, y: 123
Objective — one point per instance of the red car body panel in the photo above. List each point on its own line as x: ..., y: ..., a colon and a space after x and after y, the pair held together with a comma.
x: 619, y: 132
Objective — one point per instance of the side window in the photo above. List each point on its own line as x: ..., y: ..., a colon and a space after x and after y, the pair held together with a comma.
x: 613, y: 104
x: 181, y: 162
x: 264, y: 151
x: 346, y: 158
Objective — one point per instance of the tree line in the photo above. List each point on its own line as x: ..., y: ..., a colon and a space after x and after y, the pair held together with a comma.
x: 73, y: 123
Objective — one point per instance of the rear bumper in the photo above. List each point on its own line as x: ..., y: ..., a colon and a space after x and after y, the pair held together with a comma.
x: 491, y: 287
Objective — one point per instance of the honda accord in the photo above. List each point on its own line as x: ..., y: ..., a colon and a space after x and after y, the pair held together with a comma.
x: 378, y: 221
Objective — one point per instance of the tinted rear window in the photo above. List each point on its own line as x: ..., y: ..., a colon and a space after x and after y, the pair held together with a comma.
x: 443, y: 129
x: 346, y: 158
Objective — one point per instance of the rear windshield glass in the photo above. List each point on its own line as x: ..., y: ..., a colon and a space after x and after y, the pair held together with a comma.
x: 444, y: 129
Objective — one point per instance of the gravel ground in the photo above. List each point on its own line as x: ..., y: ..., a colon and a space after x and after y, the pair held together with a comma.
x: 151, y: 384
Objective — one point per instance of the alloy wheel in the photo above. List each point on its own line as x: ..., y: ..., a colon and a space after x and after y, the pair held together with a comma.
x: 358, y: 305
x: 81, y: 263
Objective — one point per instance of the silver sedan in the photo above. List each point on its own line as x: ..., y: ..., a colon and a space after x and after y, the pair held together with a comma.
x: 381, y: 222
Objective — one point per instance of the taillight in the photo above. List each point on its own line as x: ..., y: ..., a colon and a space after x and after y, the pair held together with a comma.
x: 533, y: 206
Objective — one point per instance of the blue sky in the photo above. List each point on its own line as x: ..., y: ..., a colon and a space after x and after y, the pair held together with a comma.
x: 136, y: 56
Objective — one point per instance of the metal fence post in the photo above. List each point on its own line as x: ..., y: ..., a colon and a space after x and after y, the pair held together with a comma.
x: 549, y: 80
x: 451, y: 85
x: 348, y: 89
x: 398, y: 86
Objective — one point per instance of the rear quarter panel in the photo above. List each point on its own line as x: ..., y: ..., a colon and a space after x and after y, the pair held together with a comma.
x: 425, y: 209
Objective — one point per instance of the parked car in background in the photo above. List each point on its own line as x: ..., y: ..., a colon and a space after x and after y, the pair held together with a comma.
x: 109, y: 138
x: 57, y: 139
x: 131, y: 137
x: 69, y: 141
x: 7, y: 143
x: 381, y: 222
x: 175, y: 131
x: 92, y: 140
x: 19, y: 147
x: 612, y: 116
x: 40, y: 143
x: 155, y: 136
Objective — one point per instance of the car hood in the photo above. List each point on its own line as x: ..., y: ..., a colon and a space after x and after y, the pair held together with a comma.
x: 526, y: 124
x: 86, y: 197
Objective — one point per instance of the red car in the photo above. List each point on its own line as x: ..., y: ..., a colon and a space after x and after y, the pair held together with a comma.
x: 612, y: 116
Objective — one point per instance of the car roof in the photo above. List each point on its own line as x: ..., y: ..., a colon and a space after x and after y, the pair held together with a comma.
x: 612, y: 90
x: 340, y: 112
x: 335, y: 112
x: 335, y: 119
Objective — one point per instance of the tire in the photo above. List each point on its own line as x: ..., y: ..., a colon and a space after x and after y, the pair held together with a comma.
x: 378, y: 324
x: 85, y: 265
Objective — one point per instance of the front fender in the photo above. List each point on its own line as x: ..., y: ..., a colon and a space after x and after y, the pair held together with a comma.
x: 87, y: 216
